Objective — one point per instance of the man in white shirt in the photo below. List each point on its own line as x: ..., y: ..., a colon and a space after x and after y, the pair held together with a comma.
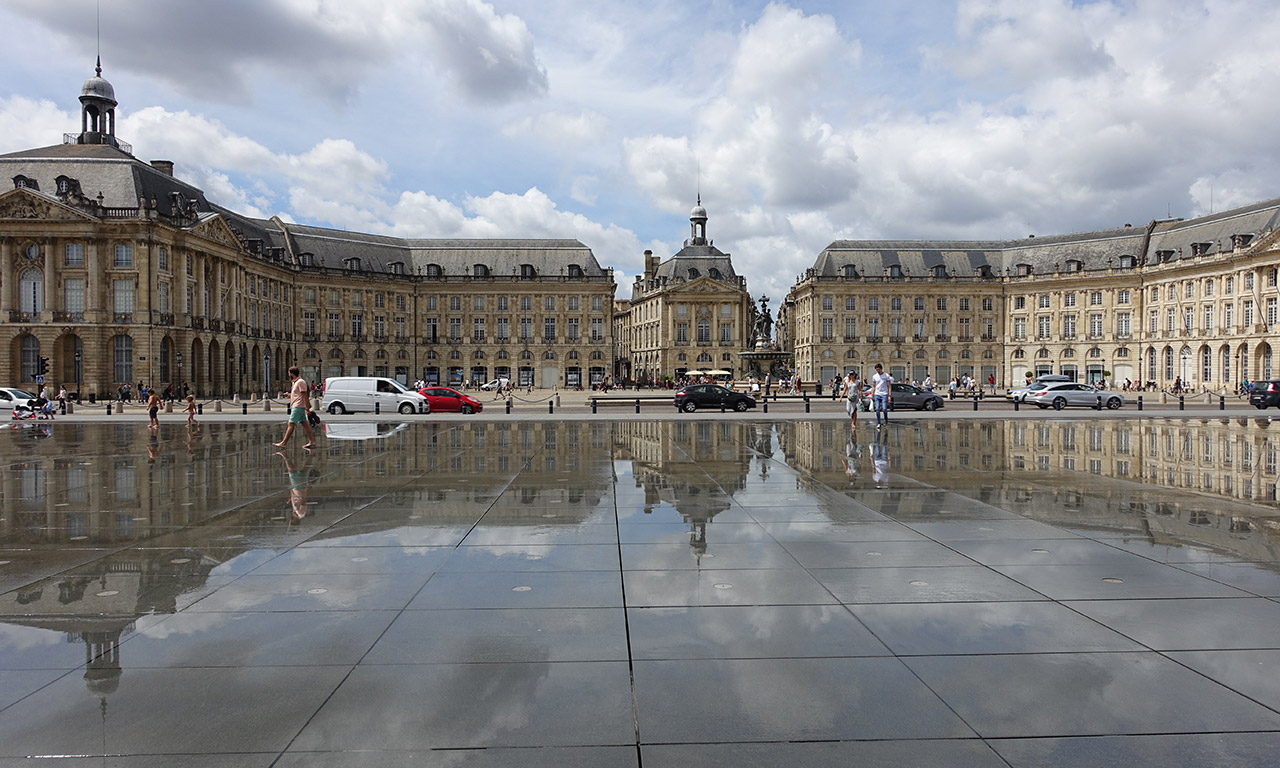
x: 880, y: 393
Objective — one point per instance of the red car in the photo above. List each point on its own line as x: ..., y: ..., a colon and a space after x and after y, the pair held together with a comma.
x: 448, y: 399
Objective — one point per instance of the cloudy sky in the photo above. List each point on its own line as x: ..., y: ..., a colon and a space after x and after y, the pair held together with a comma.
x: 801, y: 122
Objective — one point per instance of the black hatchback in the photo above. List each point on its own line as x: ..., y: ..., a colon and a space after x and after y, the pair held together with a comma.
x: 695, y: 396
x: 1265, y: 393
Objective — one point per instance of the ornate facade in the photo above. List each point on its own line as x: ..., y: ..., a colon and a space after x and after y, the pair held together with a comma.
x: 118, y: 272
x: 1178, y: 300
x: 690, y: 312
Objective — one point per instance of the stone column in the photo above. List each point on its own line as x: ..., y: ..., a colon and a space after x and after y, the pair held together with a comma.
x: 50, y: 282
x: 7, y: 284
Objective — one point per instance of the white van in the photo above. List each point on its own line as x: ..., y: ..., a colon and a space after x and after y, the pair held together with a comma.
x: 353, y: 394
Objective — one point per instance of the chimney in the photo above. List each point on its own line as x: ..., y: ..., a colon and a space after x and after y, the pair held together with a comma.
x: 163, y: 166
x: 650, y: 265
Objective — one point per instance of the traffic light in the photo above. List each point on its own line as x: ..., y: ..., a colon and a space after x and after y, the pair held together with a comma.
x: 44, y: 366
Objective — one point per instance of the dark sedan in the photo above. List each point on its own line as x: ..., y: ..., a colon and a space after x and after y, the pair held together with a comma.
x: 1265, y: 393
x: 908, y: 396
x: 695, y: 396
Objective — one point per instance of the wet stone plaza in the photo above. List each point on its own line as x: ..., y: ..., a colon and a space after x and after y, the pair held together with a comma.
x: 699, y: 592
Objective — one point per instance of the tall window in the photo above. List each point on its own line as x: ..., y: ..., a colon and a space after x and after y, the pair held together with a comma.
x: 73, y: 295
x: 597, y: 328
x: 163, y: 296
x: 1206, y: 364
x: 704, y: 331
x: 163, y: 258
x: 726, y: 333
x: 30, y: 357
x: 31, y: 284
x: 1122, y: 324
x: 122, y: 297
x: 122, y: 352
x: 526, y: 327
x: 75, y: 255
x: 357, y: 324
x: 549, y: 327
x: 504, y: 328
x: 124, y: 255
x: 477, y: 329
x: 1095, y: 325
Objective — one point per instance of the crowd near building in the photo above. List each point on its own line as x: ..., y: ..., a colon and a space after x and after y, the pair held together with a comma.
x: 113, y: 271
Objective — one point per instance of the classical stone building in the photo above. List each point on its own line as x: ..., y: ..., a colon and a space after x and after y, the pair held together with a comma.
x: 119, y: 272
x: 690, y: 312
x: 1178, y: 300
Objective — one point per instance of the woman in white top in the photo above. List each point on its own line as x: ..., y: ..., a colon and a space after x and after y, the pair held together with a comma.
x: 852, y: 396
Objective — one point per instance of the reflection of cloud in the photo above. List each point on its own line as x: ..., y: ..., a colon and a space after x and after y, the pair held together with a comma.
x: 19, y: 638
x: 156, y: 627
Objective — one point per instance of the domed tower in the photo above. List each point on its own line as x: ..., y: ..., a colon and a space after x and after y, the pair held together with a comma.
x: 698, y: 224
x: 98, y: 110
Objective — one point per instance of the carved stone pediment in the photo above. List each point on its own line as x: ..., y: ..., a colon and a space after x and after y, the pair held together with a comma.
x: 24, y: 204
x: 217, y: 230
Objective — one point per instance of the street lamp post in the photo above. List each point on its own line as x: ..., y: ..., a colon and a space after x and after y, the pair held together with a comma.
x: 79, y: 377
x: 179, y: 387
x: 266, y: 372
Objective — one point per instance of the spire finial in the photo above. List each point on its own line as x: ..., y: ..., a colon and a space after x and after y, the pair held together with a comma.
x: 98, y: 68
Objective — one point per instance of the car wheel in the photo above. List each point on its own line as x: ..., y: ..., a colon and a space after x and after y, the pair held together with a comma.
x: 690, y: 406
x: 930, y: 405
x: 740, y: 406
x: 1059, y: 403
x: 1113, y: 403
x: 468, y: 409
x: 406, y: 408
x: 336, y: 408
x: 1262, y: 406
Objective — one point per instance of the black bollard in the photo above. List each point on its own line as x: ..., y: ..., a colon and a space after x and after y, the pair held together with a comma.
x: 108, y: 408
x: 1182, y: 402
x: 806, y: 403
x: 1139, y: 402
x: 1015, y: 404
x: 975, y: 403
x: 593, y: 406
x: 551, y: 406
x: 1222, y: 403
x: 1098, y: 407
x: 637, y: 405
x: 64, y: 407
x: 199, y: 409
x: 766, y: 405
x: 508, y: 405
x: 377, y: 409
x: 244, y: 409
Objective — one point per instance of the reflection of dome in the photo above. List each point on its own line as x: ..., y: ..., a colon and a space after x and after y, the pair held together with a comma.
x: 98, y: 87
x: 102, y: 681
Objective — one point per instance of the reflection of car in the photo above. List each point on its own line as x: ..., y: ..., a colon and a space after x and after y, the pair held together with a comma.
x: 496, y: 384
x: 1264, y: 393
x: 361, y: 430
x: 447, y: 399
x: 695, y: 396
x: 1062, y: 394
x: 909, y: 396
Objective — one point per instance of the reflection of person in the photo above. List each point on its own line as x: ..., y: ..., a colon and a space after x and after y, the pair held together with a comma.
x: 299, y: 484
x: 299, y: 408
x: 880, y: 463
x: 852, y: 459
x: 881, y: 384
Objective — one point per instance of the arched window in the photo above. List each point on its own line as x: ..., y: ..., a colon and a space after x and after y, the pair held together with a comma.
x: 850, y: 271
x: 30, y: 357
x: 694, y: 273
x: 1151, y: 362
x: 31, y: 286
x: 480, y: 270
x: 122, y: 354
x: 1168, y: 363
x: 714, y: 273
x: 434, y: 271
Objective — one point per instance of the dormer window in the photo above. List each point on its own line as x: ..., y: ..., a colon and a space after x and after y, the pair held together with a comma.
x: 1164, y: 257
x: 351, y: 263
x: 306, y: 259
x: 434, y: 272
x: 1128, y: 261
x: 575, y: 271
x: 527, y: 271
x: 1240, y: 241
x: 850, y: 271
x: 984, y: 271
x: 479, y: 270
x: 895, y: 270
x: 940, y: 270
x: 1075, y: 265
x: 1200, y: 249
x: 1022, y: 270
x: 714, y: 273
x: 67, y: 185
x: 396, y: 267
x: 694, y: 273
x: 25, y: 182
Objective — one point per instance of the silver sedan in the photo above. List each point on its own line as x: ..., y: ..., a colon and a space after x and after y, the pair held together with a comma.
x: 1060, y: 395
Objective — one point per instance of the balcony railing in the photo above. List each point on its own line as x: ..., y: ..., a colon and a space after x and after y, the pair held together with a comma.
x: 310, y: 337
x: 379, y: 338
x: 896, y: 339
x: 335, y: 337
x: 215, y: 325
x: 69, y: 317
x: 122, y: 317
x: 197, y: 323
x: 850, y: 339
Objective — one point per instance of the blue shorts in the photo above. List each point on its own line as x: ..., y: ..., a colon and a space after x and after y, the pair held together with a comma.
x: 297, y: 415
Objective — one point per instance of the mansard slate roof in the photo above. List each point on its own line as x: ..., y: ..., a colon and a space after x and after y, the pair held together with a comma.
x: 703, y: 258
x: 1046, y: 255
x: 122, y: 180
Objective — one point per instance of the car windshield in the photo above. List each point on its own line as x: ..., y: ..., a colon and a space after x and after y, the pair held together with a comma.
x: 1037, y: 386
x: 18, y: 394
